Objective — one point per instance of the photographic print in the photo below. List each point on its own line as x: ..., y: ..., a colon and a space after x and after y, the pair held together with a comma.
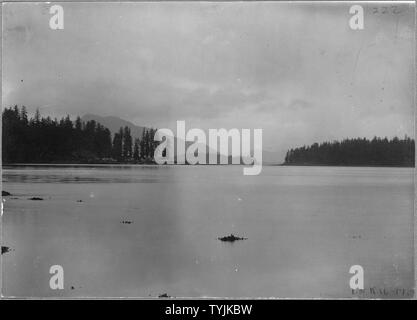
x: 208, y: 149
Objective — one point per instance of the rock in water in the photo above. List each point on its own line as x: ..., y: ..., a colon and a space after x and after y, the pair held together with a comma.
x: 35, y: 198
x: 5, y: 193
x: 231, y: 238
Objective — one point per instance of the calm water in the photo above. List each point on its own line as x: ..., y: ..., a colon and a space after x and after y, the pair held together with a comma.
x: 305, y: 227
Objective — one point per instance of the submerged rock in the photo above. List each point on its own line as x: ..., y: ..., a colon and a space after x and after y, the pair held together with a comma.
x: 126, y: 222
x: 35, y: 198
x: 4, y: 249
x: 231, y: 238
x: 5, y: 193
x: 164, y: 295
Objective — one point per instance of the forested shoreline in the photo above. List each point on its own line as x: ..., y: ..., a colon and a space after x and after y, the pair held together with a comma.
x: 44, y: 140
x: 355, y: 152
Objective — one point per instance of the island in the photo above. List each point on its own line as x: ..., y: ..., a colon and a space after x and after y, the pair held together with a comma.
x: 381, y: 152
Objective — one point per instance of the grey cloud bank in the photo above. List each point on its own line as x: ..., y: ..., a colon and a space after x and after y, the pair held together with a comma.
x: 295, y: 70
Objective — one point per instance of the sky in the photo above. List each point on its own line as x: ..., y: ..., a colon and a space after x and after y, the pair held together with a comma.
x: 297, y: 71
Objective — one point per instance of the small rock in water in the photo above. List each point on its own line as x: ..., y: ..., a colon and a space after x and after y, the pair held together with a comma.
x: 164, y: 295
x: 5, y: 193
x: 4, y: 249
x: 126, y: 222
x: 79, y: 201
x: 35, y: 198
x: 231, y: 238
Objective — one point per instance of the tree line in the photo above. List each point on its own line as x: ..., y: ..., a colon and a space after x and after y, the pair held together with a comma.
x: 355, y: 152
x: 124, y: 149
x: 42, y: 139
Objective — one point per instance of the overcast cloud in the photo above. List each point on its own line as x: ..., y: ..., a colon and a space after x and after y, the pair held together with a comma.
x: 295, y: 70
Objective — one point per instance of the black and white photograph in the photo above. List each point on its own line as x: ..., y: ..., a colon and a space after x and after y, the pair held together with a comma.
x: 208, y: 149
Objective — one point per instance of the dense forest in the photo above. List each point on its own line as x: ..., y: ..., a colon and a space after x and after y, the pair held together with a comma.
x: 355, y: 152
x: 45, y: 140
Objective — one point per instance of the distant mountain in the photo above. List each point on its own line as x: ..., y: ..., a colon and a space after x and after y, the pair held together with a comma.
x: 114, y: 124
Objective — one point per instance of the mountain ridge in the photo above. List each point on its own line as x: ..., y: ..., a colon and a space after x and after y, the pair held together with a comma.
x: 114, y: 123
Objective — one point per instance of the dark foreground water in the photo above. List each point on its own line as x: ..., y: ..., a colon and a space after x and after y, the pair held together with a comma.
x: 305, y: 227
